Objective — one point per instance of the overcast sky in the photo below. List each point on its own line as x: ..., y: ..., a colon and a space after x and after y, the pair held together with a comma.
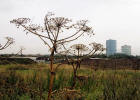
x: 111, y: 19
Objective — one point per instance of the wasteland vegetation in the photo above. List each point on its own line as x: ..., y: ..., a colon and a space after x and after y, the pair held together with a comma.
x: 31, y: 82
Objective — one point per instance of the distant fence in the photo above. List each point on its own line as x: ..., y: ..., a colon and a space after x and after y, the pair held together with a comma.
x: 113, y: 63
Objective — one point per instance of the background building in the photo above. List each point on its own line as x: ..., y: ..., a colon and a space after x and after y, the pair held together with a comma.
x: 126, y: 49
x: 110, y: 47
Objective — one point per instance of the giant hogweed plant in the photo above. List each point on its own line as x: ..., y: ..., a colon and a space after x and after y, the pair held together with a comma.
x: 55, y: 33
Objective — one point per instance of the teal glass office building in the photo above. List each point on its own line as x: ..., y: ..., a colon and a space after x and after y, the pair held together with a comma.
x: 111, y: 46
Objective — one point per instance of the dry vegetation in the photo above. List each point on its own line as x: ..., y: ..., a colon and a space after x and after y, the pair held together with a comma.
x: 60, y: 31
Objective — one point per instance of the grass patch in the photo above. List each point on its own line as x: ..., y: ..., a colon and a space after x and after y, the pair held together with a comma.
x: 19, y: 83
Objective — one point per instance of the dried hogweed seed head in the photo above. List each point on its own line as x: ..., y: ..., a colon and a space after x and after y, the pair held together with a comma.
x: 80, y: 47
x: 20, y: 21
x: 10, y: 40
x: 8, y: 43
x: 97, y: 46
x: 34, y: 27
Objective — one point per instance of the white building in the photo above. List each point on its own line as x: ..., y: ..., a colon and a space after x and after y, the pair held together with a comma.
x: 126, y: 49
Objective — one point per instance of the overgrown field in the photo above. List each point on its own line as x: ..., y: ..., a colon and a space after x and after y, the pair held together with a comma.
x: 31, y: 82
